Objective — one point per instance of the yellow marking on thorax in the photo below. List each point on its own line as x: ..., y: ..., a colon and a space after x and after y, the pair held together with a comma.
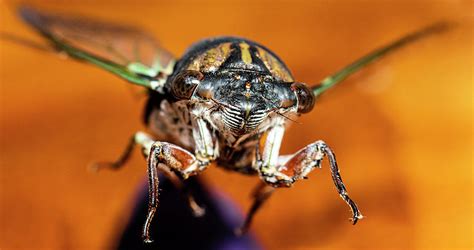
x: 244, y: 49
x: 276, y: 68
x: 212, y: 59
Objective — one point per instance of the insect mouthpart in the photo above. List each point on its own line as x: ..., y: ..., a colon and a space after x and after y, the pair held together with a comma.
x: 242, y: 120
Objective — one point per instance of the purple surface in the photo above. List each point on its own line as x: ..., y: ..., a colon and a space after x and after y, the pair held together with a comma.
x: 174, y: 226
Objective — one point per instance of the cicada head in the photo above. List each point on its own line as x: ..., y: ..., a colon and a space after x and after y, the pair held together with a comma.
x: 245, y: 102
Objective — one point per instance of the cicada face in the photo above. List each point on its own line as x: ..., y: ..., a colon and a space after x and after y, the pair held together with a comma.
x: 245, y: 100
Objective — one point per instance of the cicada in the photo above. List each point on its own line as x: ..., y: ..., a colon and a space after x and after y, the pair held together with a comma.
x: 226, y: 100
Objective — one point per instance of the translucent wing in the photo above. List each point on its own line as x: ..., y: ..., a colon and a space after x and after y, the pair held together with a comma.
x: 125, y: 51
x: 342, y: 74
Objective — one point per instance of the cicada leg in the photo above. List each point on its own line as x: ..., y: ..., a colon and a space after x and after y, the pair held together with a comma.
x: 177, y: 160
x: 146, y: 142
x: 302, y: 163
x: 261, y: 194
x: 139, y: 138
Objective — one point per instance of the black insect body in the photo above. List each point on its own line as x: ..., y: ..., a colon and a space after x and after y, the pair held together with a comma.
x: 215, y: 103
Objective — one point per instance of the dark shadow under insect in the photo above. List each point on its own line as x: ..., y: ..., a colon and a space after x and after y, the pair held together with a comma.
x: 178, y: 228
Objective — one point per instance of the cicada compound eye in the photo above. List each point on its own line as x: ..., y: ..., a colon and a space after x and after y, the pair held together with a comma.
x: 305, y: 97
x: 185, y: 83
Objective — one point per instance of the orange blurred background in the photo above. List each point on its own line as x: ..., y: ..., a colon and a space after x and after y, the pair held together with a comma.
x: 402, y: 128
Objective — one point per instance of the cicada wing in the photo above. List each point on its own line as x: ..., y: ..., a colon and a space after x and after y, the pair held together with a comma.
x: 124, y: 50
x: 375, y: 55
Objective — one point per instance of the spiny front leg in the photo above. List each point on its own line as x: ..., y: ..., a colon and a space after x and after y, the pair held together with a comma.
x: 302, y: 163
x: 145, y: 141
x: 177, y: 160
x: 181, y: 163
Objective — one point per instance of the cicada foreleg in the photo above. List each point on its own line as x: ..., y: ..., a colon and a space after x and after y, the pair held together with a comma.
x: 180, y: 161
x: 177, y: 160
x: 302, y: 163
x: 171, y: 170
x: 283, y: 171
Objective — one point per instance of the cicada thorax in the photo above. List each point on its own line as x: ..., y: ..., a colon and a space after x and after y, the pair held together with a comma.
x: 233, y: 54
